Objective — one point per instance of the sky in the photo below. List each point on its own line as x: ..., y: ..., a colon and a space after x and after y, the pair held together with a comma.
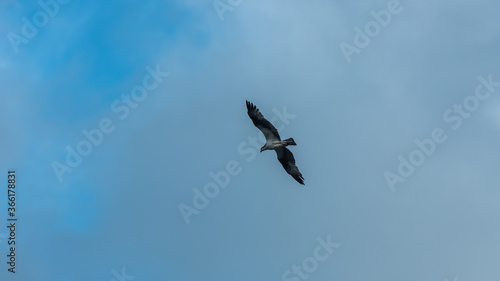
x: 134, y: 158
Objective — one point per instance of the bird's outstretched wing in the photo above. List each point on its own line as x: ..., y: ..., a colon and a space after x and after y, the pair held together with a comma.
x: 286, y: 159
x: 260, y: 122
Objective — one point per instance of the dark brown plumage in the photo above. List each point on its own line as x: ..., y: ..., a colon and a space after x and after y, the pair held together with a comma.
x: 274, y: 142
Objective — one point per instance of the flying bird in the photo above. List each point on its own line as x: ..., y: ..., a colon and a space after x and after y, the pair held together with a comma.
x: 274, y: 142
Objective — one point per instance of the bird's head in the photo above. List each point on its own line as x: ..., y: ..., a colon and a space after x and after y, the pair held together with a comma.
x: 263, y: 148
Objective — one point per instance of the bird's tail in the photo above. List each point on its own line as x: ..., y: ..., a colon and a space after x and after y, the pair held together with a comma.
x: 289, y: 141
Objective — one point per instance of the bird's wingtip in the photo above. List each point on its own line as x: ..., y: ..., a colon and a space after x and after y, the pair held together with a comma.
x: 250, y: 105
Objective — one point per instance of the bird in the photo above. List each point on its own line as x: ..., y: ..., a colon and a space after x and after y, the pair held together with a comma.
x: 274, y: 142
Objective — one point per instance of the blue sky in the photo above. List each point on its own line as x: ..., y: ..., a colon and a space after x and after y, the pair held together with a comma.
x: 114, y: 214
